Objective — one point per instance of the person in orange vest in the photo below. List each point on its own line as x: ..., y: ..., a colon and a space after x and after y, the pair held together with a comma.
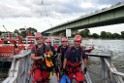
x: 48, y: 42
x: 39, y: 52
x: 52, y: 58
x: 73, y: 60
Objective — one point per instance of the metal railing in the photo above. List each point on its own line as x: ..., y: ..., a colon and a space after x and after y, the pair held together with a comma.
x: 109, y: 73
x: 20, y: 68
x: 22, y: 64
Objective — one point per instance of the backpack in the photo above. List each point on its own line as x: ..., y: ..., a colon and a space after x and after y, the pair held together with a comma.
x: 65, y: 79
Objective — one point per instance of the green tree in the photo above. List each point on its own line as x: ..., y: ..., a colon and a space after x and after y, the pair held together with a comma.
x: 24, y: 31
x: 16, y: 31
x: 23, y: 34
x: 95, y: 35
x: 0, y: 33
x: 31, y: 30
x: 116, y: 36
x: 103, y: 34
x: 85, y: 33
x: 122, y: 34
x: 108, y: 35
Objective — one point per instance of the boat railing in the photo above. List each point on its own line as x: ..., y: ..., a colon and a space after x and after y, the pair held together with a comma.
x: 107, y: 73
x: 20, y: 68
x: 22, y: 64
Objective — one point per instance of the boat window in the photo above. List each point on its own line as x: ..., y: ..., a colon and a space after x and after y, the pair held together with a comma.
x: 6, y: 42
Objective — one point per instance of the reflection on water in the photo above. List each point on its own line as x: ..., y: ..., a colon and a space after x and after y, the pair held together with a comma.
x: 116, y: 47
x: 105, y: 46
x: 4, y: 68
x: 3, y: 73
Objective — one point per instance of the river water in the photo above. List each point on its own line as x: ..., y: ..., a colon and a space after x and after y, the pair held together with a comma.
x: 116, y: 47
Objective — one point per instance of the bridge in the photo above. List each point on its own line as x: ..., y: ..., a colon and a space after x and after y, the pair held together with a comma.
x: 22, y: 63
x: 106, y: 16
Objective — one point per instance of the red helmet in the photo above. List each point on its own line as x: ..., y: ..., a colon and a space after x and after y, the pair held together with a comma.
x: 48, y: 41
x: 78, y: 38
x: 64, y: 39
x: 38, y: 35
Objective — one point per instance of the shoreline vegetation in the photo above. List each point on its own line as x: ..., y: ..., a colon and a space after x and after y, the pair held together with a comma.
x: 101, y: 39
x: 85, y: 33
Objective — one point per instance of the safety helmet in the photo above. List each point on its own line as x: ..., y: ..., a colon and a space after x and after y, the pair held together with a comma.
x: 64, y: 39
x: 48, y: 41
x: 38, y: 35
x: 78, y: 38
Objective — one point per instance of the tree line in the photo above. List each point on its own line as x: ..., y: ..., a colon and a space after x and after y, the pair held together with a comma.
x: 84, y: 33
x: 23, y: 32
x: 103, y: 35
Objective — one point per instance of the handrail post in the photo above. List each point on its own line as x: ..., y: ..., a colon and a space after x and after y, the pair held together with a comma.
x: 105, y: 71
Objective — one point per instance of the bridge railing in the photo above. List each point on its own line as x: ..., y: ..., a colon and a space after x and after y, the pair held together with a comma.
x: 109, y: 73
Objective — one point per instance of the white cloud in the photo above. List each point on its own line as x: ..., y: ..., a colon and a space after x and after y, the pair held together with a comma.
x: 15, y: 14
x: 87, y: 5
x: 14, y: 11
x: 104, y: 6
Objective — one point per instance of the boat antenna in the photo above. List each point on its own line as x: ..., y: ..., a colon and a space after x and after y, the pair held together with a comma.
x: 5, y: 28
x: 9, y: 35
x: 42, y: 2
x: 45, y: 13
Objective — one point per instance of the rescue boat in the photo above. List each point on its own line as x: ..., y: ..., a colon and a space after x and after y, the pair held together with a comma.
x: 11, y: 44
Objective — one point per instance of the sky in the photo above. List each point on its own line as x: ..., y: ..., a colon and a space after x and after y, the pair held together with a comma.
x: 44, y: 14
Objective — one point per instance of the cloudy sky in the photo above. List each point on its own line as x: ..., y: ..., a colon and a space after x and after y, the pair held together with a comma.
x: 43, y: 14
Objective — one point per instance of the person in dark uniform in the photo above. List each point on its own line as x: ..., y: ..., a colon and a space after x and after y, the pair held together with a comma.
x: 62, y: 50
x: 73, y: 60
x: 38, y: 54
